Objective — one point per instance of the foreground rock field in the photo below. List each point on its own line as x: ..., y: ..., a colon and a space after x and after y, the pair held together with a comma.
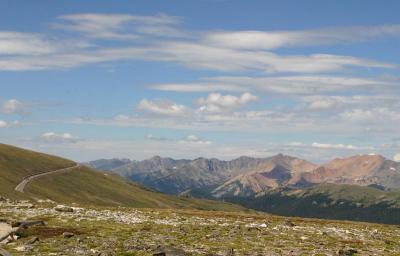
x: 73, y: 230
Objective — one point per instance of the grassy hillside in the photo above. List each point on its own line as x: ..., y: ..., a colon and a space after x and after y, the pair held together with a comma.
x: 84, y: 185
x: 87, y: 186
x: 329, y: 201
x: 16, y: 163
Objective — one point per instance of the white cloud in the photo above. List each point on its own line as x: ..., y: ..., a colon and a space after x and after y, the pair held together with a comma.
x: 216, y: 102
x: 13, y: 106
x: 117, y: 26
x: 52, y: 137
x: 303, y: 84
x: 296, y: 84
x: 21, y: 48
x: 163, y: 108
x: 121, y: 118
x: 296, y: 144
x: 372, y: 115
x: 190, y: 139
x: 193, y: 139
x: 277, y: 39
x: 156, y: 138
x: 191, y: 54
x: 196, y: 49
x: 3, y: 124
x: 396, y: 157
x: 198, y: 87
x: 24, y: 44
x: 321, y: 102
x: 197, y: 55
x: 332, y: 146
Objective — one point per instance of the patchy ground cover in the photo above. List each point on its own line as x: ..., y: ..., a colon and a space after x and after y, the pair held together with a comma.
x: 127, y: 231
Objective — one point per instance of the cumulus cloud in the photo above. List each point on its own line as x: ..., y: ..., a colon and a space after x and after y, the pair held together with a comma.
x: 3, y: 124
x: 163, y: 108
x: 216, y: 102
x: 52, y: 137
x: 13, y: 106
x: 332, y: 146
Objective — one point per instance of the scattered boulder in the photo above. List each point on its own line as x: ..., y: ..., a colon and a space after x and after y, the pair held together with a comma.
x: 230, y: 252
x: 169, y: 251
x: 102, y: 254
x: 68, y: 234
x: 289, y: 223
x: 33, y: 240
x: 347, y: 252
x: 24, y: 248
x: 25, y: 206
x: 4, y: 252
x: 63, y: 208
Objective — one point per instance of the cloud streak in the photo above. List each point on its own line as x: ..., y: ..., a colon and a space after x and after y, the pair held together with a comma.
x: 158, y: 38
x: 268, y: 40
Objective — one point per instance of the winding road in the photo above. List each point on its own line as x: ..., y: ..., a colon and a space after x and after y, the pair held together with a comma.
x: 20, y: 187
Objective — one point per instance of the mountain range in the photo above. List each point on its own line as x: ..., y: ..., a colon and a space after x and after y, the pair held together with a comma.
x: 362, y: 187
x: 246, y: 176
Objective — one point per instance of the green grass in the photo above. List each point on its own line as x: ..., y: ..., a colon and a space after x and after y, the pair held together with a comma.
x: 16, y: 163
x: 208, y: 233
x: 87, y: 186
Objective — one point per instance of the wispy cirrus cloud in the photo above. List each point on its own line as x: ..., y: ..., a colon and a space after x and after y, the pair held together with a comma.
x: 333, y: 146
x: 117, y: 26
x: 277, y: 39
x: 294, y: 84
x: 159, y: 38
x: 189, y: 139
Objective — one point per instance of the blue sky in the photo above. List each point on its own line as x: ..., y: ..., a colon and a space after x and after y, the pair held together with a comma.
x: 88, y: 80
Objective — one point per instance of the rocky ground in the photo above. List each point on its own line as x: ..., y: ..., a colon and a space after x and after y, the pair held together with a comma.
x: 70, y: 230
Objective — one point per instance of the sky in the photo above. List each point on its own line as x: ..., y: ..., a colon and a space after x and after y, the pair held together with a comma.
x: 209, y: 78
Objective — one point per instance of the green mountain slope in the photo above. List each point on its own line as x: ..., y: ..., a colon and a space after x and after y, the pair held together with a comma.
x: 83, y: 185
x: 329, y: 201
x: 16, y: 163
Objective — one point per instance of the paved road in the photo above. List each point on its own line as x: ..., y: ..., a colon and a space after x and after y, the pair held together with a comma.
x: 20, y: 187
